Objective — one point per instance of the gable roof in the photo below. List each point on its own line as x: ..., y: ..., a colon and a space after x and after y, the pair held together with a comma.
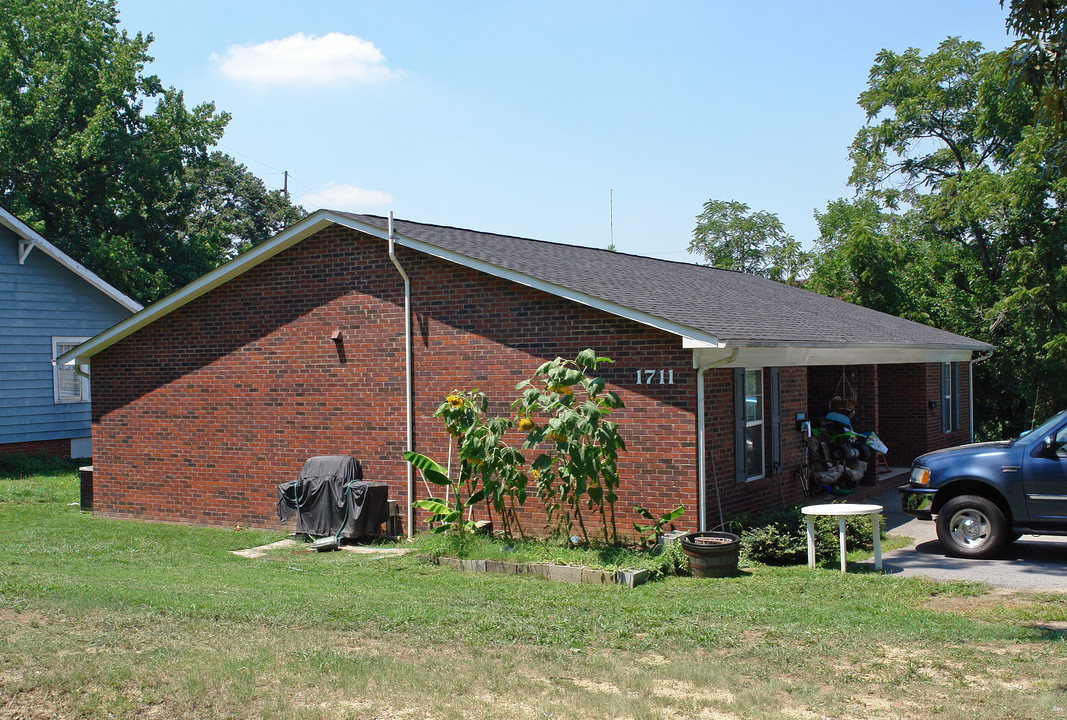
x: 29, y: 239
x: 706, y: 307
x: 734, y: 307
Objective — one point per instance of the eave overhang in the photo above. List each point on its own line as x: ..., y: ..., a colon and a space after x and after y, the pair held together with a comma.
x: 807, y: 354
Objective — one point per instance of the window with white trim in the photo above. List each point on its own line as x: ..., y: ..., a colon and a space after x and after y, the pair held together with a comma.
x: 950, y: 397
x: 68, y: 385
x: 754, y: 453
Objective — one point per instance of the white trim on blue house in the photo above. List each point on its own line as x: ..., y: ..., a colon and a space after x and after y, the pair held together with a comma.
x: 30, y: 239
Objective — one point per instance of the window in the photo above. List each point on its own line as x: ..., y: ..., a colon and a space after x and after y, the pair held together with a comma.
x: 757, y: 423
x: 68, y: 385
x: 753, y: 424
x: 950, y: 397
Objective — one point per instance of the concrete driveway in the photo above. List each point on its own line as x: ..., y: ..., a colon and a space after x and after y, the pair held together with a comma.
x: 1031, y: 563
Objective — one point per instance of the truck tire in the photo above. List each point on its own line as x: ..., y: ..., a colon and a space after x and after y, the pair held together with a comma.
x: 970, y: 526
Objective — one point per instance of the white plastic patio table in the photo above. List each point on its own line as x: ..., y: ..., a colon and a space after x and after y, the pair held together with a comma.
x: 840, y: 510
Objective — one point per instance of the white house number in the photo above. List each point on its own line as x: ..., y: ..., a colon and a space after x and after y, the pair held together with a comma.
x: 655, y: 377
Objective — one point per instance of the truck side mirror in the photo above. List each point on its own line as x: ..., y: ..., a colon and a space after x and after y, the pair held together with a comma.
x: 1050, y: 445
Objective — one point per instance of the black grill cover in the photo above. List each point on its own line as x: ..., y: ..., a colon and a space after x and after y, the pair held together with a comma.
x: 331, y: 499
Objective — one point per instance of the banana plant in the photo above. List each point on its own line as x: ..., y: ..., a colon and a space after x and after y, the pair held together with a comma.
x: 650, y: 533
x: 444, y: 516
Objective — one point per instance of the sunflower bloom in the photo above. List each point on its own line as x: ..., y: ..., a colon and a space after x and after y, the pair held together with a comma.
x: 455, y: 401
x: 526, y: 424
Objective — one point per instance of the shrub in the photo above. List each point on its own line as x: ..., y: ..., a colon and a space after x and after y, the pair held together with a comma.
x: 780, y: 537
x: 18, y: 466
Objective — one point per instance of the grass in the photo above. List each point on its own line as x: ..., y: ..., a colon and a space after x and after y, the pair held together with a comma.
x: 103, y: 617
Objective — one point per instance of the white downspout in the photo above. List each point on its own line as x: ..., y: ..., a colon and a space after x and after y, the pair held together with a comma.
x: 408, y: 378
x: 702, y: 451
x: 970, y: 387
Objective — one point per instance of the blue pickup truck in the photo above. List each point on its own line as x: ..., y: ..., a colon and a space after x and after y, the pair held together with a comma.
x: 987, y: 495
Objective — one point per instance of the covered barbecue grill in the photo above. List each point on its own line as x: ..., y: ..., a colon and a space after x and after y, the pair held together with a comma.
x: 331, y: 499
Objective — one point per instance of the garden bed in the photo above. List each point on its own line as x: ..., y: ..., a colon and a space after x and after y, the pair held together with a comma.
x: 549, y: 571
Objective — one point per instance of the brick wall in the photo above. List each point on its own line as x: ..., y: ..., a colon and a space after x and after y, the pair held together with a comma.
x: 779, y: 486
x: 904, y: 412
x: 910, y: 419
x: 200, y: 415
x: 825, y: 382
x: 54, y: 448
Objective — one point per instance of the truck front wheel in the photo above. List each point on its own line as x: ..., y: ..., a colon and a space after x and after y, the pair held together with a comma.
x: 971, y: 526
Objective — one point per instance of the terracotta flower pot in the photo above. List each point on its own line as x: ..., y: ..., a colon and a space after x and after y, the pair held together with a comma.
x: 712, y: 554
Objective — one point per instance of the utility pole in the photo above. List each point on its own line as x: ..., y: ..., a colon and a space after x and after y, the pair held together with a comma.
x: 285, y: 185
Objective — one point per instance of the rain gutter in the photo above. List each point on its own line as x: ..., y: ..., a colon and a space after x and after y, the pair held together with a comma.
x: 408, y: 384
x: 702, y: 471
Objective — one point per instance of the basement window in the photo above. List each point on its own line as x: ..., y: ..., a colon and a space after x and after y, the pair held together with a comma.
x: 68, y: 385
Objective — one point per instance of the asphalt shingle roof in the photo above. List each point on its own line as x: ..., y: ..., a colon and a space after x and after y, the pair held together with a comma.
x: 736, y: 307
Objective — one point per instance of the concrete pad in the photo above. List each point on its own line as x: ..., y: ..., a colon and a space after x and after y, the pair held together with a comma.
x: 292, y: 543
x: 376, y: 551
x: 263, y: 550
x: 1037, y: 563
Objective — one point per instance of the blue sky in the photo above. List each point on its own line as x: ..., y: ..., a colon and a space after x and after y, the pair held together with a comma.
x: 525, y: 118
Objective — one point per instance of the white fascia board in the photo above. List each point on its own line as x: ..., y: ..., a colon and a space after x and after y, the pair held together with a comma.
x: 690, y: 343
x: 805, y: 355
x: 222, y: 274
x: 683, y: 331
x: 32, y: 238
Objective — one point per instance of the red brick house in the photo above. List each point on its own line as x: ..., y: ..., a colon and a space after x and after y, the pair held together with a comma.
x: 205, y: 401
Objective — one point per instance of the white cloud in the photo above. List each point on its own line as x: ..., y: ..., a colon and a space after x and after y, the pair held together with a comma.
x: 343, y: 197
x: 332, y: 58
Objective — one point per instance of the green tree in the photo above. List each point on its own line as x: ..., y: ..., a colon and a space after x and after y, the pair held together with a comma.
x: 1039, y: 60
x: 956, y: 220
x: 859, y: 257
x: 231, y: 210
x: 731, y: 237
x: 86, y: 164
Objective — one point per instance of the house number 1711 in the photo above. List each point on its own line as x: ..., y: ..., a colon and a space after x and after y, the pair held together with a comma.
x: 655, y: 377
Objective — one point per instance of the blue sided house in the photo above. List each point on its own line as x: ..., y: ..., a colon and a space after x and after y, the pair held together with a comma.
x: 49, y: 304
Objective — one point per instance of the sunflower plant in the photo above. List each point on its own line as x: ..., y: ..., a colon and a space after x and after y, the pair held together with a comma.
x: 489, y: 470
x: 565, y: 409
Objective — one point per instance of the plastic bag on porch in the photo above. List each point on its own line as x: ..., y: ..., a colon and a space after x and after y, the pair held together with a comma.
x: 874, y: 443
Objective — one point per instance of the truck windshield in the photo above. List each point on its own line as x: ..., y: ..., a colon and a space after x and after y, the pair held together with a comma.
x: 1045, y: 428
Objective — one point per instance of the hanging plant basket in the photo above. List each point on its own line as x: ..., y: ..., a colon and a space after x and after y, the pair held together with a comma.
x: 712, y: 554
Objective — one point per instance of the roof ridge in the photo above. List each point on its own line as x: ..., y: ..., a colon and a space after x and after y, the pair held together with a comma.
x: 548, y: 242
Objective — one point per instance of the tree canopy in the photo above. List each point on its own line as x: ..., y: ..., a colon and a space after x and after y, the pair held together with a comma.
x: 109, y: 164
x: 958, y: 219
x: 731, y: 237
x: 1039, y: 60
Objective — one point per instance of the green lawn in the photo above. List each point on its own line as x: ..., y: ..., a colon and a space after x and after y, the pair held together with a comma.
x: 102, y: 618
